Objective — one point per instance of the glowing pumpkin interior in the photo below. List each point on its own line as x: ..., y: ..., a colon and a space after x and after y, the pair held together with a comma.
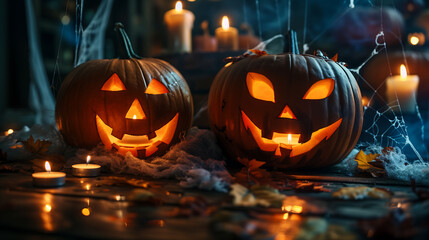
x: 131, y: 142
x: 261, y: 88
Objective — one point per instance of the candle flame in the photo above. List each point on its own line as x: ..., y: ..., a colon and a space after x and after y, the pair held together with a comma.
x: 8, y: 132
x: 414, y: 40
x: 225, y: 23
x: 47, y: 166
x: 135, y: 116
x: 88, y: 158
x: 179, y: 6
x: 289, y: 138
x: 403, y: 71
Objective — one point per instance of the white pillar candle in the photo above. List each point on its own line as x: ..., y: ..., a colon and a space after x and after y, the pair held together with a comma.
x: 48, y: 178
x: 226, y: 36
x: 179, y: 23
x: 86, y: 170
x: 405, y: 88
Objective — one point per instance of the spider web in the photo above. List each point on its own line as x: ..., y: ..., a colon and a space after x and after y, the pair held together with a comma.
x: 384, y: 124
x: 90, y: 42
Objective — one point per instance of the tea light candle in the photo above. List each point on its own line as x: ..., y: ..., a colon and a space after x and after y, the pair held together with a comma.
x: 48, y: 178
x: 404, y: 87
x: 179, y: 23
x: 86, y: 170
x: 226, y: 36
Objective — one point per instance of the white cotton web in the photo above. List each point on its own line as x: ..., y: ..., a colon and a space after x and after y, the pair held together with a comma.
x: 90, y: 44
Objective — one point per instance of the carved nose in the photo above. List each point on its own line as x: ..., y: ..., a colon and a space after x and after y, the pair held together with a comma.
x: 287, y: 113
x: 135, y: 111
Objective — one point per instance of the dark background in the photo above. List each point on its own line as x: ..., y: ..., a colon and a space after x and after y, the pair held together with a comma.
x: 325, y: 23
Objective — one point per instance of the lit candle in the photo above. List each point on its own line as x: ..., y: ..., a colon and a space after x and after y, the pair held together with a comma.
x: 404, y: 87
x: 226, y: 36
x: 86, y: 170
x: 179, y: 23
x: 48, y: 178
x: 8, y: 132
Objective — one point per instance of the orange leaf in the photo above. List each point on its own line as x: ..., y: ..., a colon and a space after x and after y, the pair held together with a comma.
x: 335, y: 57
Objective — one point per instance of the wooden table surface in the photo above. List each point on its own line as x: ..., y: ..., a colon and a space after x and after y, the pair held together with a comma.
x: 107, y: 207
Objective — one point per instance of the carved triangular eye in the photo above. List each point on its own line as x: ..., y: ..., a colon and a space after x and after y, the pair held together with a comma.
x: 320, y: 90
x: 260, y: 87
x: 156, y: 87
x: 114, y: 84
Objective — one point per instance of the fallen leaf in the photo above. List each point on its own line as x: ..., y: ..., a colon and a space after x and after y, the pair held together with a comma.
x: 258, y: 52
x: 370, y: 163
x: 362, y: 192
x: 144, y: 196
x: 306, y: 186
x: 40, y: 147
x: 252, y: 174
x: 257, y: 195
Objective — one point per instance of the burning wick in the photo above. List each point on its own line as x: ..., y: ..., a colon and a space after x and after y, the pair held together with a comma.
x: 48, y: 167
x: 403, y: 71
x: 225, y: 23
x: 88, y: 158
x: 179, y: 6
x: 135, y: 116
x: 289, y: 139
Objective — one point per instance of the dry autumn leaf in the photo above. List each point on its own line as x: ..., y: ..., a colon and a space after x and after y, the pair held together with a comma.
x: 39, y: 147
x: 362, y: 192
x: 370, y: 163
x: 257, y: 195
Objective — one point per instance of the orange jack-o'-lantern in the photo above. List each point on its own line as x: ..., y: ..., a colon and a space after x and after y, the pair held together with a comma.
x: 290, y: 110
x: 130, y: 104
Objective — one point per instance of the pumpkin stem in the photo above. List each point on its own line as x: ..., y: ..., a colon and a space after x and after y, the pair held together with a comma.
x: 124, y: 44
x: 291, y: 42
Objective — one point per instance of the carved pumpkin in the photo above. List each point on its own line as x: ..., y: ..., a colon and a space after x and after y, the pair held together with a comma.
x: 378, y: 68
x: 130, y: 104
x: 290, y: 110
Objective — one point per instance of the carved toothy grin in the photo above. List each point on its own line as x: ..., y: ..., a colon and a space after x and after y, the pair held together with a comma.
x: 135, y: 143
x: 288, y: 141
